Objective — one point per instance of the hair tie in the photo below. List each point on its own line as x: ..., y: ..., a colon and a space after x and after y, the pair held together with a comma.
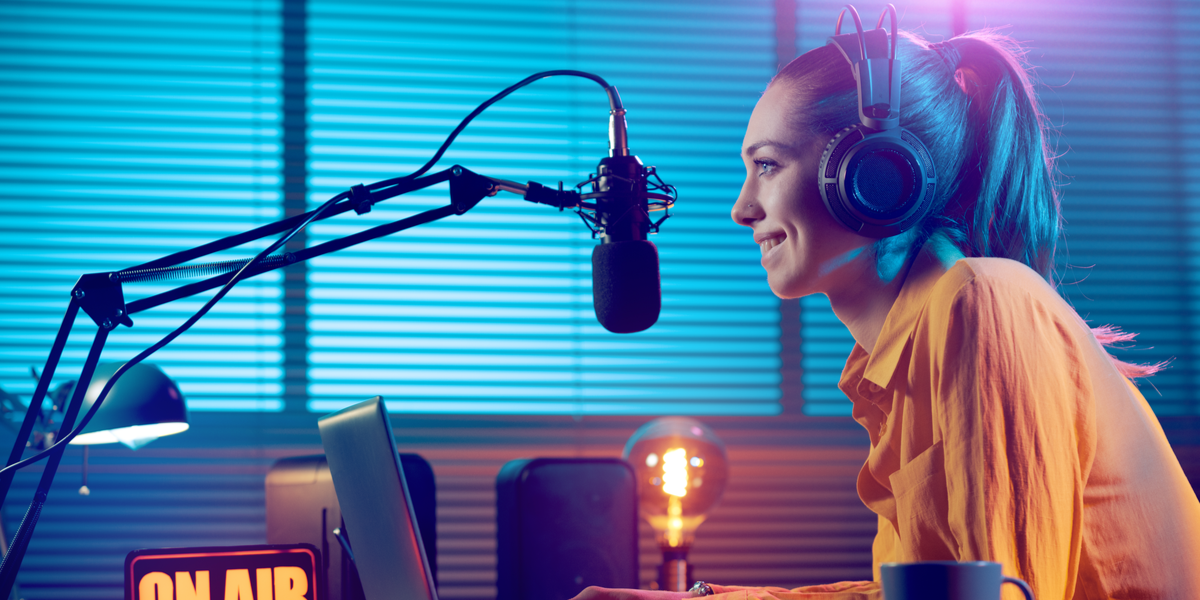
x: 948, y: 52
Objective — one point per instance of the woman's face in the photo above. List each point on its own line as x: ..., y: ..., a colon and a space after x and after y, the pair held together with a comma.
x: 804, y: 250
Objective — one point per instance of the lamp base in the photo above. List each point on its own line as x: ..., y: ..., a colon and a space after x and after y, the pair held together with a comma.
x: 675, y: 572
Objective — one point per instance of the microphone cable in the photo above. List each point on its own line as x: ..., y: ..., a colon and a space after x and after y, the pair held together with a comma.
x: 614, y: 104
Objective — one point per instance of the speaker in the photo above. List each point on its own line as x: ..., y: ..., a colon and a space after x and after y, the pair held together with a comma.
x: 875, y: 177
x: 302, y: 507
x: 563, y: 524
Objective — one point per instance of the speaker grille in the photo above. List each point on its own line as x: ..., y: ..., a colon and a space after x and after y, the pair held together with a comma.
x: 883, y: 180
x: 563, y: 524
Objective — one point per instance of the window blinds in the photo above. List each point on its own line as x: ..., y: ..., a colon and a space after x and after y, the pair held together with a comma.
x: 491, y: 312
x: 128, y: 132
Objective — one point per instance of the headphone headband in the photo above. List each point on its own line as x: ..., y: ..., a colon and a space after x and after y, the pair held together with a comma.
x: 875, y: 177
x: 877, y: 73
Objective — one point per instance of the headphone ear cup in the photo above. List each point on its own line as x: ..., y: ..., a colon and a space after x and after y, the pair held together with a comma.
x: 827, y: 175
x: 876, y: 183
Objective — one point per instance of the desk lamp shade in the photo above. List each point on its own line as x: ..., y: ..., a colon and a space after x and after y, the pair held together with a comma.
x: 143, y: 406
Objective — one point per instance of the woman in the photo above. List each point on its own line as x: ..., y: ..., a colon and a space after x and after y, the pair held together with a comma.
x: 1000, y: 428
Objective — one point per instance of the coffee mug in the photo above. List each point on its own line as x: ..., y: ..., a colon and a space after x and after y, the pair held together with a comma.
x: 946, y: 580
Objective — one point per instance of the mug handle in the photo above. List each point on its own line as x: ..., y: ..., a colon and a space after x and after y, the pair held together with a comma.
x: 1021, y: 584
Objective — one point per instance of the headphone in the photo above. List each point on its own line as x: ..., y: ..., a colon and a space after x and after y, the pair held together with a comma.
x: 876, y: 177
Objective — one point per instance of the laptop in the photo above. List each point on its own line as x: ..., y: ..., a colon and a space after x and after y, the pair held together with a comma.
x: 375, y: 502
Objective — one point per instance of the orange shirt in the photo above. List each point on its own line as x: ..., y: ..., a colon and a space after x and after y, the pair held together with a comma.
x: 1001, y: 431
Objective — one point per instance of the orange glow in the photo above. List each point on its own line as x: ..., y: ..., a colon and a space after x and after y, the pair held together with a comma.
x: 674, y: 521
x: 289, y: 582
x: 236, y: 553
x: 184, y: 588
x: 675, y: 482
x: 675, y: 472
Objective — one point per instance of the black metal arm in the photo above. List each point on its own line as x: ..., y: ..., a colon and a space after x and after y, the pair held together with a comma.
x: 100, y: 295
x: 101, y: 298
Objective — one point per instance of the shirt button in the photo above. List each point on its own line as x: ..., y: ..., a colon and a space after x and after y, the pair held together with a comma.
x: 874, y: 388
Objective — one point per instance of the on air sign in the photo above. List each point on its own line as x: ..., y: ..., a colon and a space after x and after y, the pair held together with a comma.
x: 230, y: 573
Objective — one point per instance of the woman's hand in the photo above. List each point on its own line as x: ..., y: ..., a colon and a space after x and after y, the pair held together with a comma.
x: 599, y: 593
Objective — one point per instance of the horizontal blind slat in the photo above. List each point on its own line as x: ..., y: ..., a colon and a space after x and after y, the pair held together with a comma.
x: 512, y: 280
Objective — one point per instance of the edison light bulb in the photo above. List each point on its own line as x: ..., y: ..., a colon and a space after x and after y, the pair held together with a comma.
x: 681, y: 470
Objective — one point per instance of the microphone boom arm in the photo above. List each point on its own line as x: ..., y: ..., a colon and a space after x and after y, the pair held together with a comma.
x: 100, y: 295
x: 467, y: 189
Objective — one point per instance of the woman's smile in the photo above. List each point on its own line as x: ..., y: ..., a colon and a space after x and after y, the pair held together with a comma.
x: 770, y: 242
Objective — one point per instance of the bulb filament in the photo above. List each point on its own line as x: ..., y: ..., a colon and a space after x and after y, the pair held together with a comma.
x: 675, y: 481
x: 675, y: 472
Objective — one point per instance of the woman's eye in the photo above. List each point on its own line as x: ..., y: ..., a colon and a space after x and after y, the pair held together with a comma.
x: 765, y: 166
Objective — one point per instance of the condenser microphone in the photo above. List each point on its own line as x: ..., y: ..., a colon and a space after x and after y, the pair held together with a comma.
x: 625, y: 285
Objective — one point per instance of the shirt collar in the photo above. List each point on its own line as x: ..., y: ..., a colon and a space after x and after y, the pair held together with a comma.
x: 902, y: 319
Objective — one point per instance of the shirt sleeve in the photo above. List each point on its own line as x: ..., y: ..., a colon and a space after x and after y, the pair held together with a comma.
x: 1013, y: 407
x: 846, y: 590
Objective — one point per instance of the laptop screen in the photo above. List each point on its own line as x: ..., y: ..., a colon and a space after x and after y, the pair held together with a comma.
x: 376, y: 507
